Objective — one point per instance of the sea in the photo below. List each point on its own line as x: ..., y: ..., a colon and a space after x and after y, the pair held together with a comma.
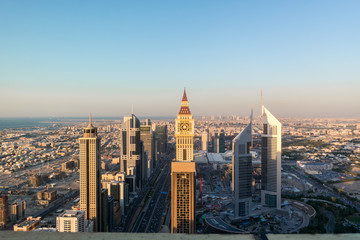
x: 21, y: 123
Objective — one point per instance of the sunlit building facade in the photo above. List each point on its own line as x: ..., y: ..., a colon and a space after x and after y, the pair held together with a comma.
x: 183, y: 173
x: 90, y: 178
x: 271, y: 161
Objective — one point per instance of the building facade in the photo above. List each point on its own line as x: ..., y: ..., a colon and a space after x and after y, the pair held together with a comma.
x: 17, y: 210
x: 270, y: 161
x: 205, y: 141
x: 147, y: 136
x: 71, y: 221
x: 90, y: 178
x: 242, y: 172
x: 183, y: 173
x: 4, y: 210
x: 130, y: 152
x: 30, y: 224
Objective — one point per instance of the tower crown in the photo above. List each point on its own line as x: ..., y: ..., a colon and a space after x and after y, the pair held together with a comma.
x: 184, y: 109
x: 90, y: 130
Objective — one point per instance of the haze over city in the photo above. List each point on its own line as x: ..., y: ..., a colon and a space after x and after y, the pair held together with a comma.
x: 67, y: 59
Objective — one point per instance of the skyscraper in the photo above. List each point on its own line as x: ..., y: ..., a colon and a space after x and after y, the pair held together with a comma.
x: 270, y: 160
x: 218, y: 142
x: 242, y: 172
x: 4, y: 210
x: 147, y: 136
x: 161, y: 133
x: 130, y: 152
x: 183, y: 173
x: 90, y: 178
x: 205, y: 140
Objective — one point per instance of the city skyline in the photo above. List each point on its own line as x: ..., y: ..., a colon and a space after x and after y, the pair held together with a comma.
x: 56, y: 56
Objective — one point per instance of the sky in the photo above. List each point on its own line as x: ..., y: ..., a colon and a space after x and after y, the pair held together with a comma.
x: 68, y: 58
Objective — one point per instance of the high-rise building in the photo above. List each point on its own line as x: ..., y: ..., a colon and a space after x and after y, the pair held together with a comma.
x: 147, y: 136
x: 17, y: 210
x: 130, y: 151
x: 90, y: 178
x: 270, y: 160
x: 218, y: 142
x: 183, y: 173
x: 71, y: 221
x: 161, y: 133
x: 205, y: 140
x: 242, y: 172
x: 106, y: 212
x: 4, y: 210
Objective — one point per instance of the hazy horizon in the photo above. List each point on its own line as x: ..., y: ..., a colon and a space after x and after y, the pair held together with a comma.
x: 71, y: 58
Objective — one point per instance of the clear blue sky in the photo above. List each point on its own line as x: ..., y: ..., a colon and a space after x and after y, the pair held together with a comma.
x: 67, y: 58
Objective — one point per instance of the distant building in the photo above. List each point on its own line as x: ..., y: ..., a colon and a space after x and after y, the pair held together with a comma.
x: 36, y: 180
x: 90, y: 185
x: 71, y: 221
x: 205, y: 141
x: 218, y: 142
x: 17, y: 210
x: 28, y: 225
x: 68, y: 165
x: 271, y: 161
x: 316, y: 166
x: 183, y: 173
x: 242, y: 172
x: 4, y: 210
x: 45, y: 197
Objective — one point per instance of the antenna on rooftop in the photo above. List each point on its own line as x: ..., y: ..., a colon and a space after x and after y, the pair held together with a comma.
x: 262, y: 104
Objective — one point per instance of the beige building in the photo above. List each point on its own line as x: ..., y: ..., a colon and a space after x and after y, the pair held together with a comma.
x: 17, y: 210
x: 90, y: 184
x: 183, y: 173
x: 71, y: 221
x: 28, y: 225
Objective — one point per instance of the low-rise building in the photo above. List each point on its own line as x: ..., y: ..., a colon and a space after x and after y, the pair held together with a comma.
x: 28, y: 225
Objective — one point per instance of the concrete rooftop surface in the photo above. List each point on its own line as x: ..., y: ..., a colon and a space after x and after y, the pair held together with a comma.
x: 7, y: 235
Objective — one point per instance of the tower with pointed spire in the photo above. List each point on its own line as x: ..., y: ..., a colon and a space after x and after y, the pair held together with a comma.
x: 90, y: 175
x: 183, y: 173
x: 270, y: 160
x: 242, y: 171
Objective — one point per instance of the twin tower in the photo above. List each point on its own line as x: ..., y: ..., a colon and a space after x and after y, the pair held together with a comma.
x: 183, y: 169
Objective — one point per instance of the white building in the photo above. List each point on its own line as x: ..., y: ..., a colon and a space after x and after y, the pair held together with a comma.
x: 71, y: 221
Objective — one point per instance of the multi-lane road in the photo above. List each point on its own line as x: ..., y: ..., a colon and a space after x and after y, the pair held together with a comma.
x: 159, y: 182
x: 150, y: 218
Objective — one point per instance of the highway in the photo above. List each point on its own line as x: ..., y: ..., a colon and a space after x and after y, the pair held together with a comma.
x: 150, y: 218
x: 134, y: 211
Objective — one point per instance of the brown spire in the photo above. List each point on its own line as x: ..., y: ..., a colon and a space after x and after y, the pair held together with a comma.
x: 184, y: 109
x: 184, y: 96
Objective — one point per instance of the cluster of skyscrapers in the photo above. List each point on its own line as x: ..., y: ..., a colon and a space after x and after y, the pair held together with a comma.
x: 100, y: 195
x: 215, y: 143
